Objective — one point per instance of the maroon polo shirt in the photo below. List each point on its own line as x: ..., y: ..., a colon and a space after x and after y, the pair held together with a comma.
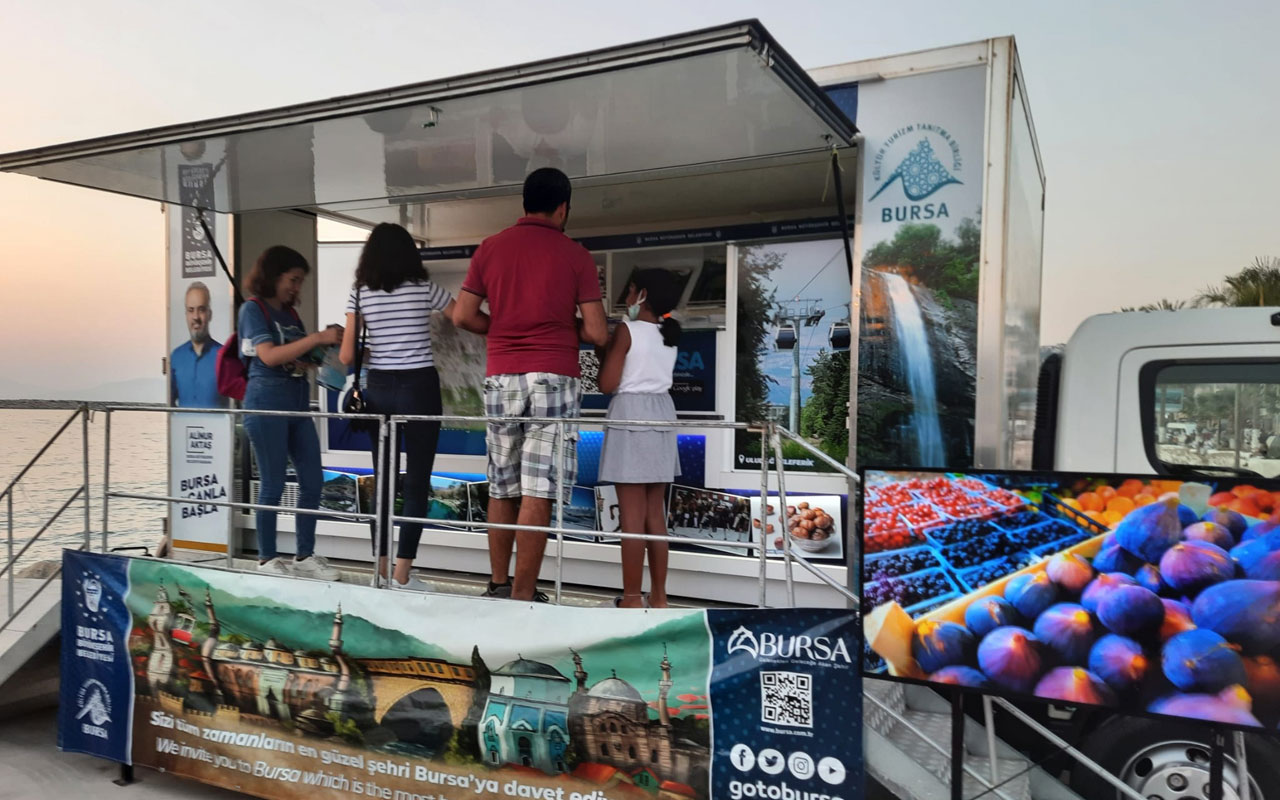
x: 534, y: 278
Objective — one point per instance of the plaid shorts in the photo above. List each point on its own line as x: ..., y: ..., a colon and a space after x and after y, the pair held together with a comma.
x: 522, y: 456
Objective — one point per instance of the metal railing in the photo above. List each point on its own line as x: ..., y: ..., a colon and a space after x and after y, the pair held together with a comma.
x: 9, y: 569
x: 771, y: 438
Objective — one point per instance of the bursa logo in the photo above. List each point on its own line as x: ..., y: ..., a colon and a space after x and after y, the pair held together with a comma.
x: 768, y: 645
x: 921, y: 159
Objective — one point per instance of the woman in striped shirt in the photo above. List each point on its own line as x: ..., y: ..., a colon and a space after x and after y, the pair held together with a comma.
x: 395, y: 299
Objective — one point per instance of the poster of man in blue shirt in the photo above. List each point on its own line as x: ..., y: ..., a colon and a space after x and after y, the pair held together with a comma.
x: 192, y: 379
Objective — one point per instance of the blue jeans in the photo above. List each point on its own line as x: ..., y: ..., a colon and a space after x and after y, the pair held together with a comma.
x: 410, y: 391
x: 276, y: 441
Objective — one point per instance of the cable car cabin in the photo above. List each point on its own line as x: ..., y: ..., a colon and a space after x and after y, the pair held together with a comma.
x: 839, y: 336
x: 184, y: 628
x: 785, y: 338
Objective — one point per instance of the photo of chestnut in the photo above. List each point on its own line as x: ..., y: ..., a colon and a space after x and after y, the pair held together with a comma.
x: 1140, y: 594
x: 813, y: 523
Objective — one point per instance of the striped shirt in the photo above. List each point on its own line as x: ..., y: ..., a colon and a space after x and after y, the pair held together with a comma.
x: 399, y: 323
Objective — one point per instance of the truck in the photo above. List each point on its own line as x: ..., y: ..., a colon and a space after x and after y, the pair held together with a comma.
x: 860, y: 252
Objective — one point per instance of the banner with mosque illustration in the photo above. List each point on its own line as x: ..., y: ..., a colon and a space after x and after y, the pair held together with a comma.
x: 922, y: 194
x: 287, y: 688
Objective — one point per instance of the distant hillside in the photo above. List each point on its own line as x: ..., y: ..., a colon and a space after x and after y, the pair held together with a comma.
x: 136, y: 390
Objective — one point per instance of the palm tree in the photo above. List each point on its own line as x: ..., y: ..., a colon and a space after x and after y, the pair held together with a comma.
x: 1256, y: 285
x: 1163, y: 305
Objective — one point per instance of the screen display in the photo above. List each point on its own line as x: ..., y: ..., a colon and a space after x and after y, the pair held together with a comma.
x: 1143, y: 594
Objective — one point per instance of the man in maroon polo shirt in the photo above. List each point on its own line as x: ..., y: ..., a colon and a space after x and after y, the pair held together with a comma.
x: 544, y: 299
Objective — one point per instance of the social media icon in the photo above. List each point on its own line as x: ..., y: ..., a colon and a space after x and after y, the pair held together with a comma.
x: 771, y: 761
x: 831, y: 770
x: 801, y: 765
x: 742, y: 757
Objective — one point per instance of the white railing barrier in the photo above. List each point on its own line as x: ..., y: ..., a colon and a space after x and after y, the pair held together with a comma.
x: 771, y: 436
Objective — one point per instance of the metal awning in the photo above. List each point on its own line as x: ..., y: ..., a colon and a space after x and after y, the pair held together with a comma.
x: 722, y: 98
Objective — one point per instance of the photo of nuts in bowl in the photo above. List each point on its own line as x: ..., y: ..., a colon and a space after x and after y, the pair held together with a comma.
x: 812, y: 524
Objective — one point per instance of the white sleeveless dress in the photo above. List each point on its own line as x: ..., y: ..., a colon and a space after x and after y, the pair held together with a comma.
x: 642, y: 453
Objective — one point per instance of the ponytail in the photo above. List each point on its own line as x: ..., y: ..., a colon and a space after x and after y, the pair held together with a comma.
x: 670, y: 330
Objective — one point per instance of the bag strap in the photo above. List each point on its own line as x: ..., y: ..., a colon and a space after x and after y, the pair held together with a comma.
x: 364, y: 332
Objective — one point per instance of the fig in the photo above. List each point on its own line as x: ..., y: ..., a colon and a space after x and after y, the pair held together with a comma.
x: 802, y: 506
x: 1116, y: 559
x: 1101, y: 585
x: 1011, y: 658
x: 1233, y: 521
x: 1231, y: 706
x: 1266, y: 568
x: 1069, y: 571
x: 1075, y: 685
x: 1189, y: 567
x: 1201, y: 661
x: 1067, y: 630
x: 777, y: 542
x: 1267, y: 526
x: 1177, y: 618
x: 1119, y: 661
x: 961, y: 676
x: 1210, y: 532
x: 1244, y: 612
x: 825, y: 521
x: 1131, y: 611
x: 1262, y: 679
x: 791, y: 511
x: 1250, y: 552
x: 1031, y: 593
x: 1149, y: 531
x: 1148, y: 577
x: 942, y: 644
x: 988, y: 613
x: 1108, y: 540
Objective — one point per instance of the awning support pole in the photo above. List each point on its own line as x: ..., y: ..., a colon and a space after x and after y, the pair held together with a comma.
x: 841, y: 212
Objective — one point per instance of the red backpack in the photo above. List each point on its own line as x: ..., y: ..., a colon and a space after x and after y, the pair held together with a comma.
x: 230, y: 370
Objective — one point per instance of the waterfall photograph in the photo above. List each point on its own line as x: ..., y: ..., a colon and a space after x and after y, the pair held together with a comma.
x: 793, y: 357
x: 916, y: 358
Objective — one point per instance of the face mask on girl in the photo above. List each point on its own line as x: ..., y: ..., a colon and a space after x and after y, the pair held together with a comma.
x: 633, y: 310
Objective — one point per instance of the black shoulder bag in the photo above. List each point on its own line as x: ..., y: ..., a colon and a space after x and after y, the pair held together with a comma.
x: 356, y: 402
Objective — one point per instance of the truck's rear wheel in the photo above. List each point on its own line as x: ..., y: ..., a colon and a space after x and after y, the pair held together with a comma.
x: 1166, y: 761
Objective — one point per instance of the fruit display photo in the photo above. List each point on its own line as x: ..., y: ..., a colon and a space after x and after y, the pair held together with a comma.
x: 1144, y: 594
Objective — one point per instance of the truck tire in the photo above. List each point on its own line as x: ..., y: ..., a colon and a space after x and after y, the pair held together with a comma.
x: 1167, y: 760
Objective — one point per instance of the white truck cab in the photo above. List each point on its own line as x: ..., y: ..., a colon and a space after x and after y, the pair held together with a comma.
x: 1165, y: 392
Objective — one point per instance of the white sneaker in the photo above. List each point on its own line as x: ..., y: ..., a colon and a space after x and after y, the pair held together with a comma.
x: 414, y: 584
x: 276, y: 566
x: 315, y: 566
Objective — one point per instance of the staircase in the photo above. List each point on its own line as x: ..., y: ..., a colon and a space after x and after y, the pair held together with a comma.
x: 906, y: 739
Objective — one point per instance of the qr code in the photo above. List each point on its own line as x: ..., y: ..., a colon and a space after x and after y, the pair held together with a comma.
x: 786, y: 698
x: 590, y: 366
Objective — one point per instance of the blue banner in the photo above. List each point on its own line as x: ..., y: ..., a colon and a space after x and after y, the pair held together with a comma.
x: 786, y: 704
x: 95, y: 706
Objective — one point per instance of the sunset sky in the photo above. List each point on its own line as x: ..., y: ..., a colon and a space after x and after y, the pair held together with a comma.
x: 1157, y: 122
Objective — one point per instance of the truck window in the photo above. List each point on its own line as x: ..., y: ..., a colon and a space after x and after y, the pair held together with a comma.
x: 1212, y: 416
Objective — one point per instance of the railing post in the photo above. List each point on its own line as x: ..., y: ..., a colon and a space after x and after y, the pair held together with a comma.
x: 393, y: 481
x: 782, y: 518
x: 380, y: 497
x: 12, y: 567
x: 84, y: 434
x: 764, y: 511
x: 1244, y: 790
x: 561, y: 446
x: 106, y: 475
x: 989, y: 721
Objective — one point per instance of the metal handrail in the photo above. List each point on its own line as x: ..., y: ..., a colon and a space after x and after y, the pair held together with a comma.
x: 11, y: 559
x: 909, y: 725
x: 771, y: 436
x: 32, y: 461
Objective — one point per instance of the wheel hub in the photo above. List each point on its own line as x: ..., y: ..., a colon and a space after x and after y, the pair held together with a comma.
x: 1179, y: 770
